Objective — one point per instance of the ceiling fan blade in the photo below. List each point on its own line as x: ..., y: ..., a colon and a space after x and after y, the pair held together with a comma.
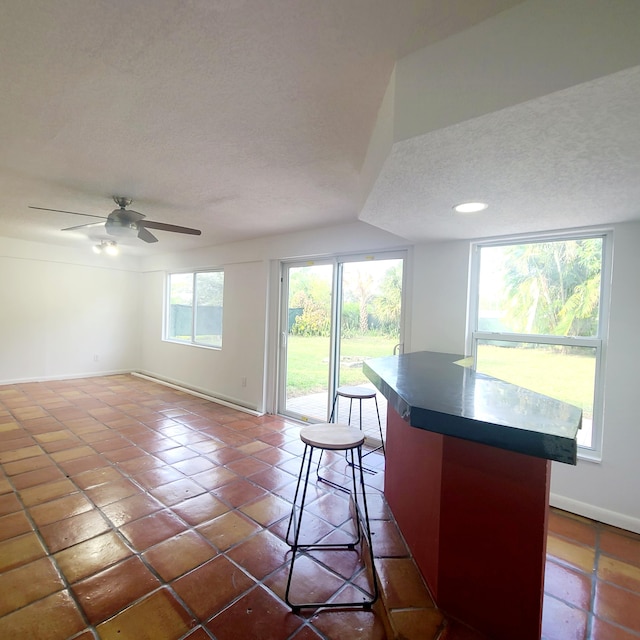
x: 146, y: 235
x: 84, y: 226
x: 75, y: 213
x: 161, y: 226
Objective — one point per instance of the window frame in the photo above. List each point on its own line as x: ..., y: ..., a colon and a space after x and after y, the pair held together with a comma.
x: 598, y: 342
x: 194, y: 306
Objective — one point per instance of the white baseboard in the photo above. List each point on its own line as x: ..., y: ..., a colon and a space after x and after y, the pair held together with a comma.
x: 593, y: 512
x: 67, y: 376
x: 227, y: 402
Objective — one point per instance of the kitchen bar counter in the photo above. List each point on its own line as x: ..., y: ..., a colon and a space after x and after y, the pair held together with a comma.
x: 467, y: 478
x: 439, y: 392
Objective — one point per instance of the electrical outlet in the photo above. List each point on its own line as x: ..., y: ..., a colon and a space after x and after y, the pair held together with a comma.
x: 96, y: 357
x: 244, y: 382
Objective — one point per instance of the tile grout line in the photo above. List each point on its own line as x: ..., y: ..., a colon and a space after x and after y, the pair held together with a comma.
x: 594, y: 584
x: 115, y: 529
x: 114, y: 464
x: 48, y: 554
x: 51, y: 555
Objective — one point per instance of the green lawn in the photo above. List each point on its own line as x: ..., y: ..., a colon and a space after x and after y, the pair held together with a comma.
x: 567, y: 377
x: 308, y: 361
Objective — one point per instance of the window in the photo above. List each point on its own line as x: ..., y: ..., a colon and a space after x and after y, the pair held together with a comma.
x: 538, y: 314
x: 194, y: 308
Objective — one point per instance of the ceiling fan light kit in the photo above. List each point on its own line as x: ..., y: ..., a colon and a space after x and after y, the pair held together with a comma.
x: 110, y: 247
x: 123, y: 222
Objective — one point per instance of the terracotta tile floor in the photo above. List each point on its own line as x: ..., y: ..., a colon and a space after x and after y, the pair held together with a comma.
x: 129, y: 510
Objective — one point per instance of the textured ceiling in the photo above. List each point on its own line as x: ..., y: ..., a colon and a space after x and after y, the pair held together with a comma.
x: 240, y: 117
x: 247, y: 118
x: 568, y: 159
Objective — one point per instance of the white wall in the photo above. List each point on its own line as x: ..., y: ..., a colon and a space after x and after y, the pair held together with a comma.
x: 250, y: 312
x: 60, y: 309
x: 218, y: 372
x: 439, y: 297
x: 608, y: 491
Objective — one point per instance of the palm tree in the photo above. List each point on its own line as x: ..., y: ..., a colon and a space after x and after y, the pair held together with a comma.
x: 554, y: 287
x: 359, y: 285
x: 388, y: 304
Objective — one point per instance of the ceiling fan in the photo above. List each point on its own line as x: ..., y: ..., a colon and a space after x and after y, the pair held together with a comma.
x: 126, y: 222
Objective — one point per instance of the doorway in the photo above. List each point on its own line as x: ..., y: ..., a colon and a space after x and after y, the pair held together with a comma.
x: 337, y: 313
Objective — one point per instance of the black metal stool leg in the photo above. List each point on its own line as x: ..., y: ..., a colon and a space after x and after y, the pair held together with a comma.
x: 367, y: 525
x: 331, y: 483
x: 332, y: 418
x: 346, y: 456
x: 366, y: 469
x: 295, y: 546
x: 333, y: 408
x: 384, y: 453
x: 295, y: 495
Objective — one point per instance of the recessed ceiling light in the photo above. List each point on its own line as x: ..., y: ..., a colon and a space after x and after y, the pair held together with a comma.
x: 470, y: 207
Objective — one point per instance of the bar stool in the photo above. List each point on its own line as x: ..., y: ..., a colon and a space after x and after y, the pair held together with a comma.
x: 331, y: 437
x: 360, y: 394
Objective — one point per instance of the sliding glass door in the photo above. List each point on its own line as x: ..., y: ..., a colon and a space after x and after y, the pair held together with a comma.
x: 335, y: 315
x: 306, y: 340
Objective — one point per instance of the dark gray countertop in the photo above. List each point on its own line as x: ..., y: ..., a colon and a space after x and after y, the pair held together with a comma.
x: 431, y: 391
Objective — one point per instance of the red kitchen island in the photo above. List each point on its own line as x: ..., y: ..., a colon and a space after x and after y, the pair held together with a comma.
x: 467, y: 478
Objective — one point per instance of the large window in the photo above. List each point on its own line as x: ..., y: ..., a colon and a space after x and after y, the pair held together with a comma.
x: 194, y: 307
x: 538, y: 314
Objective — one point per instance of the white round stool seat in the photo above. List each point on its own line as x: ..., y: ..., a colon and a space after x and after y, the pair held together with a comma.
x: 356, y: 392
x: 333, y: 436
